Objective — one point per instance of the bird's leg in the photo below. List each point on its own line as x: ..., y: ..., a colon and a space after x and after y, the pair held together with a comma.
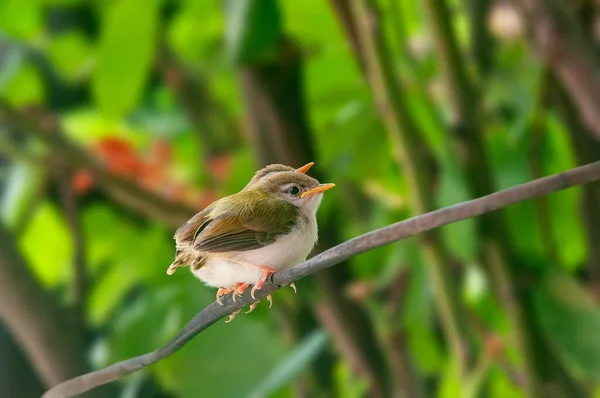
x: 223, y: 291
x: 258, y: 285
x: 239, y: 289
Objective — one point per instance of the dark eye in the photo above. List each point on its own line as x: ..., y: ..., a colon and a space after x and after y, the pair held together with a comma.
x: 294, y: 190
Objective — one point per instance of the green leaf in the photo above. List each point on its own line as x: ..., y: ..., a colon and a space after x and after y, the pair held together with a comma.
x: 253, y: 29
x: 25, y: 87
x: 70, y: 54
x: 21, y: 19
x: 348, y: 385
x: 292, y: 365
x: 21, y: 188
x: 125, y: 55
x: 570, y: 321
x: 47, y: 245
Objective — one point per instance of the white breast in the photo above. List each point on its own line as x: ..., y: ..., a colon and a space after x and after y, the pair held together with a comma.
x: 227, y: 269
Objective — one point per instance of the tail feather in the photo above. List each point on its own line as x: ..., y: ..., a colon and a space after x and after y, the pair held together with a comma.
x: 181, y: 260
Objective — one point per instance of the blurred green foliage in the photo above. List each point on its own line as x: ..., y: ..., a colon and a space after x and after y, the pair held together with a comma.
x: 96, y: 65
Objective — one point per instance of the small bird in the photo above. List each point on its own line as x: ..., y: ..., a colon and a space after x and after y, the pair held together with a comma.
x: 241, y: 239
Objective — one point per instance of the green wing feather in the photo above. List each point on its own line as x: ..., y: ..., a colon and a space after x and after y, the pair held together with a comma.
x: 245, y: 221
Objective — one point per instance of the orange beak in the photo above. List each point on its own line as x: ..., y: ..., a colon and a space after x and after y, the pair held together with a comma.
x: 317, y: 189
x: 305, y: 168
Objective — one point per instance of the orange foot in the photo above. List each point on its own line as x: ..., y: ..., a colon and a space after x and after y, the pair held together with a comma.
x: 239, y: 290
x: 266, y: 272
x: 223, y: 291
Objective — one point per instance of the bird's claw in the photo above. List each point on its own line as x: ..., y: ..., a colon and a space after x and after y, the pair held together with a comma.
x: 252, y: 307
x: 232, y: 315
x: 293, y: 286
x: 240, y: 288
x: 223, y: 291
x: 254, y: 304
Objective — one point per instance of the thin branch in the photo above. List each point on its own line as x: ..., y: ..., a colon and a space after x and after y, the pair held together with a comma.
x: 280, y: 132
x: 44, y: 126
x: 560, y: 41
x: 71, y: 210
x: 412, y: 156
x: 36, y: 320
x: 363, y: 243
x: 469, y: 131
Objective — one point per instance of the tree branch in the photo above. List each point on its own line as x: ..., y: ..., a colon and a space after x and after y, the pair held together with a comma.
x: 35, y: 320
x: 468, y: 127
x: 43, y: 125
x: 371, y: 240
x: 559, y: 40
x: 412, y: 156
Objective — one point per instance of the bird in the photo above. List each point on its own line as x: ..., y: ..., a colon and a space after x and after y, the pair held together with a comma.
x: 241, y: 239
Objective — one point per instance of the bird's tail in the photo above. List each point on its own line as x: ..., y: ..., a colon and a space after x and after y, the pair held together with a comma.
x: 181, y: 260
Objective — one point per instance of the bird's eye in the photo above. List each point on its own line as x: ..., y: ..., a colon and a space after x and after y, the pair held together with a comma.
x: 294, y: 190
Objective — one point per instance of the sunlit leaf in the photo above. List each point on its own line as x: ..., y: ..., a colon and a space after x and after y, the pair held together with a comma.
x: 21, y: 19
x: 47, y: 245
x: 22, y: 186
x: 70, y: 54
x: 125, y: 54
x: 25, y: 87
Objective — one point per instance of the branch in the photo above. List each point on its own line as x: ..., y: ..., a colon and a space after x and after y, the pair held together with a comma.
x: 280, y: 132
x: 560, y: 41
x: 36, y: 320
x: 412, y: 157
x: 43, y: 125
x: 468, y: 126
x: 369, y: 241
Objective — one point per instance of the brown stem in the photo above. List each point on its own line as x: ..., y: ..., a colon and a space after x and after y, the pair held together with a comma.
x: 71, y: 210
x: 280, y: 133
x: 43, y: 125
x: 35, y: 319
x: 482, y: 44
x: 559, y: 39
x: 214, y: 127
x: 411, y: 155
x: 497, y: 254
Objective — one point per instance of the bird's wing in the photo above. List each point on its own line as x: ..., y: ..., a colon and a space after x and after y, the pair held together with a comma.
x: 252, y: 219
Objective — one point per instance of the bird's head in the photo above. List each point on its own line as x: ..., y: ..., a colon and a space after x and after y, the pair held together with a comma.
x: 291, y: 185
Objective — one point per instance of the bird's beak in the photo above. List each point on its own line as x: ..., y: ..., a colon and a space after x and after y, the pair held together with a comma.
x: 318, y: 189
x: 305, y: 168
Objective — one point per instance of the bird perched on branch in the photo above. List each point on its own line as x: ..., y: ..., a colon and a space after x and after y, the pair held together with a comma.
x: 242, y: 239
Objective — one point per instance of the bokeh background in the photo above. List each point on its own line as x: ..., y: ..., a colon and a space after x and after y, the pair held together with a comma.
x: 119, y: 119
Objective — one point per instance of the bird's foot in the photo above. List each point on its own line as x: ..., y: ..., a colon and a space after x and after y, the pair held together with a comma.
x: 240, y: 288
x: 254, y: 304
x: 232, y: 315
x: 223, y: 291
x: 258, y: 285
